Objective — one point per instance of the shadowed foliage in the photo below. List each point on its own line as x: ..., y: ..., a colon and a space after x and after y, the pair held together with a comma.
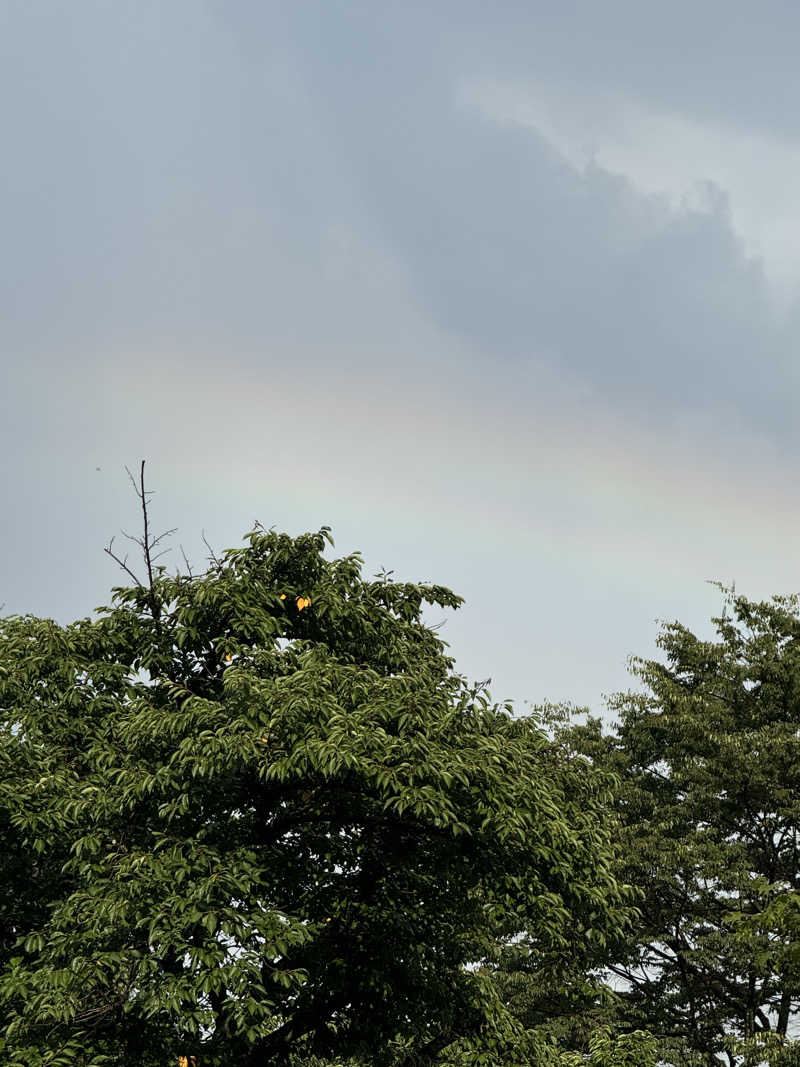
x: 253, y: 813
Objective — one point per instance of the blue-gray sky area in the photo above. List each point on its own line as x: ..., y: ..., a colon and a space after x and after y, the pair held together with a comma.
x: 506, y: 294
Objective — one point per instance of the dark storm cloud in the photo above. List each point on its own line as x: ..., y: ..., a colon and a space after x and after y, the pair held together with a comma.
x: 154, y: 207
x: 283, y: 250
x: 658, y: 310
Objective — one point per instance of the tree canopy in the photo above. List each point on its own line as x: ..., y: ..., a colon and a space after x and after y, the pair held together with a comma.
x: 253, y: 814
x: 708, y: 764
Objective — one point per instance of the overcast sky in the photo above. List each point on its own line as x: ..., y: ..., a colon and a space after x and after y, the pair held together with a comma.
x: 506, y: 294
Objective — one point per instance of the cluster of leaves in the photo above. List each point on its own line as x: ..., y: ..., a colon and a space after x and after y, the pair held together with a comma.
x: 253, y: 814
x: 708, y: 764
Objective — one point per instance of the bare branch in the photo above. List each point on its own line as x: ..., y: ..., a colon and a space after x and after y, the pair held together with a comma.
x: 166, y: 533
x: 133, y: 480
x: 186, y: 561
x: 155, y: 607
x: 147, y: 544
x: 136, y: 540
x: 146, y: 520
x: 122, y: 562
x: 212, y: 554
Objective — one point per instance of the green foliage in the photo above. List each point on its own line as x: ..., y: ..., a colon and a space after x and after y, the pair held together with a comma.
x: 636, y: 1049
x: 708, y: 762
x: 253, y: 813
x: 532, y: 1049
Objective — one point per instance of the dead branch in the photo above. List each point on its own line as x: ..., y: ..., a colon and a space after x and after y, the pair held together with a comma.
x: 186, y: 561
x: 212, y: 555
x: 146, y: 543
x: 122, y: 562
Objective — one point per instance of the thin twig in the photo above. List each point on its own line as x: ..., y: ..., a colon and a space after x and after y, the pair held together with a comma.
x: 122, y: 562
x: 145, y: 518
x: 147, y: 544
x: 152, y: 544
x: 212, y: 554
x: 186, y: 561
x: 155, y: 607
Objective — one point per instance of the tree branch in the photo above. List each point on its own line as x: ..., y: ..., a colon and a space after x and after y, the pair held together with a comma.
x: 147, y: 544
x: 122, y: 562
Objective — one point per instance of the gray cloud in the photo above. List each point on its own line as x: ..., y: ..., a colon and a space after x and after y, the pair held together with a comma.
x: 146, y: 207
x: 658, y: 310
x: 274, y: 246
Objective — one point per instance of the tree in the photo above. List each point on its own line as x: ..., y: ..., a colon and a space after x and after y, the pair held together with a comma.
x: 709, y: 766
x: 277, y: 824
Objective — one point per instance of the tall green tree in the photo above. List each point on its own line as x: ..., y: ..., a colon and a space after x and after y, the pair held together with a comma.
x: 259, y: 815
x: 708, y: 760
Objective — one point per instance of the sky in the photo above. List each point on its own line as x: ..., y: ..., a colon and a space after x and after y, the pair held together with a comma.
x: 507, y: 295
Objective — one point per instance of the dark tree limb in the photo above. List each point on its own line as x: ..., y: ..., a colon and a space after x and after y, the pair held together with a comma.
x: 122, y: 562
x: 147, y: 544
x: 211, y: 553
